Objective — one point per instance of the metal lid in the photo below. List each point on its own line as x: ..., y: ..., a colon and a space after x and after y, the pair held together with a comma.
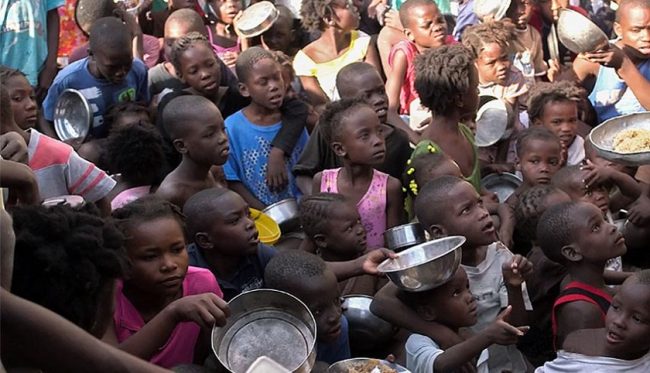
x: 492, y: 121
x: 257, y: 18
x: 72, y: 115
x: 503, y: 185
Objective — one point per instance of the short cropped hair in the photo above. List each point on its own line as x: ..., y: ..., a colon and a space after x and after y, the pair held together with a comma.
x: 476, y: 37
x: 247, y: 60
x: 181, y: 109
x: 146, y: 209
x: 315, y: 211
x: 188, y: 19
x: 555, y: 230
x: 565, y: 176
x: 331, y: 120
x: 535, y: 133
x: 421, y: 164
x: 198, y: 209
x: 86, y: 12
x: 442, y: 75
x: 624, y: 4
x: 351, y: 71
x: 530, y: 208
x: 405, y: 9
x: 109, y: 33
x: 431, y: 196
x: 542, y: 93
x: 287, y: 270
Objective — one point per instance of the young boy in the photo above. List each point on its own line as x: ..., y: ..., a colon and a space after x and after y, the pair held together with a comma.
x: 617, y: 76
x: 59, y: 170
x: 555, y: 106
x: 196, y: 129
x: 453, y: 305
x: 539, y: 155
x: 107, y: 76
x: 527, y: 42
x: 451, y: 206
x: 358, y: 79
x: 623, y: 345
x: 252, y: 129
x: 306, y: 276
x: 575, y: 235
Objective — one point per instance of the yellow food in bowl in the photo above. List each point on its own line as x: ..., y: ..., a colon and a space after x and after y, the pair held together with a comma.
x: 632, y: 141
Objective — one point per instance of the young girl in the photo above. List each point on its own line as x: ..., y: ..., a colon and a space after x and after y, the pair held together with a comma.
x: 162, y: 304
x: 353, y: 130
x: 339, y: 44
x: 23, y: 99
x: 135, y: 156
x: 223, y: 32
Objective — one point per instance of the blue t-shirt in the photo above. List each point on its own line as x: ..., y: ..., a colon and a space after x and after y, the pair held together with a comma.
x: 250, y: 145
x: 23, y: 35
x: 336, y: 350
x: 100, y: 93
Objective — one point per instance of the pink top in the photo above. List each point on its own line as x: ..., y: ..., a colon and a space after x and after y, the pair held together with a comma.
x: 219, y: 50
x: 179, y: 348
x: 372, y: 206
x: 129, y: 195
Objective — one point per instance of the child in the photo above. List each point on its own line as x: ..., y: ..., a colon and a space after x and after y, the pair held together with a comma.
x: 162, y: 304
x: 355, y: 134
x: 555, y: 106
x: 450, y: 206
x: 196, y: 129
x: 68, y: 261
x: 575, y: 235
x: 623, y: 345
x: 453, y: 305
x: 447, y: 82
x: 539, y: 155
x: 252, y: 129
x: 107, y: 76
x: 571, y: 180
x: 282, y: 35
x: 527, y: 42
x: 225, y: 240
x: 358, y: 79
x: 306, y: 276
x: 23, y: 100
x: 58, y: 168
x: 135, y: 155
x: 339, y: 45
x: 424, y: 27
x: 224, y: 34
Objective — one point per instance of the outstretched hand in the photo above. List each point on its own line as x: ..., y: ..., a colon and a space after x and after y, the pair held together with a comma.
x: 205, y: 309
x: 374, y: 258
x: 503, y: 333
x: 516, y: 270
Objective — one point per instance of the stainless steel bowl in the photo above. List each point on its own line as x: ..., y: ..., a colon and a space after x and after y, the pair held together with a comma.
x: 268, y: 323
x: 491, y: 9
x: 367, y: 331
x: 285, y: 213
x: 344, y: 366
x: 257, y: 18
x: 72, y: 116
x: 503, y: 185
x: 426, y: 265
x: 404, y: 236
x: 578, y: 33
x: 494, y: 121
x: 603, y: 135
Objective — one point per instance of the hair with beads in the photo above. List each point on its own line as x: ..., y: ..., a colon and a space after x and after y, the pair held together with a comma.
x: 315, y: 211
x: 420, y: 165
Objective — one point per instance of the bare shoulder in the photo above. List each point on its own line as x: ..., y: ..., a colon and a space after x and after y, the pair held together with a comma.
x: 580, y: 315
x: 393, y: 185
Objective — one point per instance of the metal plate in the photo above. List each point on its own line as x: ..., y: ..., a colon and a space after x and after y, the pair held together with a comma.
x: 257, y: 18
x: 72, y: 115
x: 502, y: 184
x: 578, y: 33
x: 603, y: 135
x: 491, y: 122
x: 343, y: 365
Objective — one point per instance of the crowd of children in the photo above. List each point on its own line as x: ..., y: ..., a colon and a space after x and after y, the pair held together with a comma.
x: 120, y: 250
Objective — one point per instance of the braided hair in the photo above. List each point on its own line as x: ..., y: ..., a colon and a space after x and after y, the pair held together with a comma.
x: 182, y: 44
x: 531, y: 206
x: 315, y: 211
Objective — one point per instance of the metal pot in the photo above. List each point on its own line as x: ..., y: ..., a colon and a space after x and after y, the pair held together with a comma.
x: 270, y: 323
x: 578, y: 33
x: 285, y: 213
x: 257, y: 18
x: 404, y: 236
x: 367, y: 331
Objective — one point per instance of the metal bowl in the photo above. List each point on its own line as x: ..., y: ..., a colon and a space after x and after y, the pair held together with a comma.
x: 496, y: 9
x: 286, y: 214
x: 578, y: 33
x: 367, y: 331
x: 404, y: 236
x: 72, y: 116
x: 494, y: 121
x: 603, y: 135
x: 257, y: 18
x: 344, y: 366
x: 503, y: 185
x: 425, y: 266
x: 268, y: 323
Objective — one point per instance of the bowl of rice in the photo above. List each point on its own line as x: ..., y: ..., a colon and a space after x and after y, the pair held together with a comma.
x: 624, y: 139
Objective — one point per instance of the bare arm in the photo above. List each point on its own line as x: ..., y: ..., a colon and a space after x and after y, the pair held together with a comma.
x: 394, y: 203
x: 372, y: 55
x: 240, y: 189
x: 576, y: 316
x: 316, y: 181
x: 49, y: 71
x: 20, y: 180
x: 317, y: 96
x: 396, y: 80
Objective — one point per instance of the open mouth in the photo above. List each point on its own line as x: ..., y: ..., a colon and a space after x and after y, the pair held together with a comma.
x: 488, y: 228
x: 614, y: 338
x: 254, y: 238
x: 225, y: 152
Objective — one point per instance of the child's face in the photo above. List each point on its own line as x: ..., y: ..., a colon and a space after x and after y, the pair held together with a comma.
x: 23, y: 101
x: 453, y: 303
x: 597, y: 195
x: 561, y: 118
x: 322, y: 297
x: 634, y: 29
x: 346, y: 14
x: 466, y: 216
x: 493, y: 64
x: 471, y: 97
x: 233, y: 231
x: 280, y: 36
x: 228, y: 9
x: 628, y: 321
x: 370, y: 87
x: 361, y: 137
x: 264, y: 85
x: 598, y: 240
x: 427, y: 28
x: 345, y: 236
x: 519, y: 13
x: 112, y: 65
x: 206, y: 141
x: 539, y: 161
x: 158, y: 257
x: 129, y: 117
x: 200, y: 69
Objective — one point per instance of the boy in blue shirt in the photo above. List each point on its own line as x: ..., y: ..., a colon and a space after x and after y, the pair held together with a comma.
x: 252, y: 129
x: 108, y: 75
